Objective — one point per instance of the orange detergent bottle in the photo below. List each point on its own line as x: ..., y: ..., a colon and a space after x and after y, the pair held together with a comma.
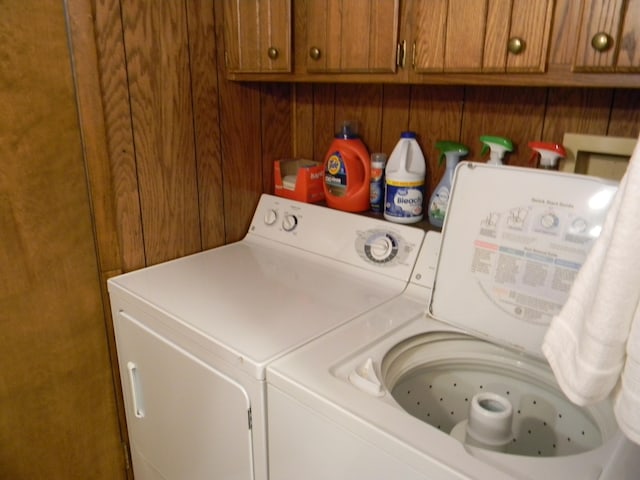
x: 347, y: 172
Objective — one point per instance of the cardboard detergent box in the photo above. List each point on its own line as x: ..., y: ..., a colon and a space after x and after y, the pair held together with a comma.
x: 299, y: 179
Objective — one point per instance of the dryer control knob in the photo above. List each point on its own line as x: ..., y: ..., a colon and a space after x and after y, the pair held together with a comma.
x: 270, y: 217
x: 289, y: 222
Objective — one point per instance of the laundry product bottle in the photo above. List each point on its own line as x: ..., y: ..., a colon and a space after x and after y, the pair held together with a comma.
x: 547, y: 154
x: 404, y: 181
x: 376, y: 188
x: 347, y: 172
x: 451, y: 152
x: 497, y: 146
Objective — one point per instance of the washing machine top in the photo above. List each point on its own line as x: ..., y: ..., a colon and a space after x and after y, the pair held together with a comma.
x: 513, y: 241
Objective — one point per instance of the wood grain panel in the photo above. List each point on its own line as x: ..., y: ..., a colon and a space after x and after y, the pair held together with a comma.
x: 276, y: 129
x: 119, y: 131
x: 57, y: 404
x: 427, y: 51
x: 206, y: 120
x: 515, y: 113
x: 325, y: 123
x: 157, y: 53
x: 302, y: 126
x: 496, y: 36
x: 362, y: 105
x: 576, y: 111
x: 396, y: 100
x: 625, y: 114
x: 566, y: 18
x: 436, y: 114
x: 464, y: 38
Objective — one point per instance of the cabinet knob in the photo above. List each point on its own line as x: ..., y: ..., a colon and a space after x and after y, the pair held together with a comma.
x: 516, y: 45
x: 314, y: 53
x: 601, y: 42
x: 273, y: 53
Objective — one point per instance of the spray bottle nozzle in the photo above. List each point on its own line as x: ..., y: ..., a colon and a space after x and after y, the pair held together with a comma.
x: 497, y: 145
x: 549, y: 153
x: 449, y: 149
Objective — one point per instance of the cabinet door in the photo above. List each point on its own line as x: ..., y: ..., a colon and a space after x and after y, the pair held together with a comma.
x: 186, y: 420
x: 608, y: 37
x: 629, y: 49
x: 480, y: 35
x: 517, y: 35
x: 352, y: 35
x: 257, y: 36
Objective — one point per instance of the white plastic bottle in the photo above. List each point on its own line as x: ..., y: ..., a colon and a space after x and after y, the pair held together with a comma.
x: 404, y: 181
x: 439, y: 201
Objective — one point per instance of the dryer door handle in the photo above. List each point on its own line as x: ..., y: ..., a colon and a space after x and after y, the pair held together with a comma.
x: 136, y: 390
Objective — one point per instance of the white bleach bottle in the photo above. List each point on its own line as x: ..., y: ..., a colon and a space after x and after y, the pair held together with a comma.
x: 404, y: 181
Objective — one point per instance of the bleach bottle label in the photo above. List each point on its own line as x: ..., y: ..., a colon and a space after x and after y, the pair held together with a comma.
x: 403, y: 200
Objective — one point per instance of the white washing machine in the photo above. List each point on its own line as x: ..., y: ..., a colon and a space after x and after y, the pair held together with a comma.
x: 448, y: 381
x: 194, y: 335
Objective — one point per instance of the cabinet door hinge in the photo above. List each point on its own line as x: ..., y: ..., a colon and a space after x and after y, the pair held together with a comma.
x: 250, y: 417
x: 401, y: 53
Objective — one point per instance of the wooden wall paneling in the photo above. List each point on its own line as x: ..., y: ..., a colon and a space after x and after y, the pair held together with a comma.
x: 302, y: 120
x: 576, y: 110
x: 206, y: 120
x: 157, y: 53
x: 325, y: 123
x: 241, y: 155
x: 513, y: 112
x: 625, y: 114
x: 276, y: 129
x: 396, y: 100
x: 362, y: 105
x: 96, y: 158
x: 241, y: 145
x: 436, y: 114
x: 117, y: 114
x: 57, y: 404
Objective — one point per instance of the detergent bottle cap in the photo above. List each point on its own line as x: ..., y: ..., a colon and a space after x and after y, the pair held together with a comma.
x: 450, y: 150
x: 347, y: 130
x: 498, y: 147
x: 549, y: 153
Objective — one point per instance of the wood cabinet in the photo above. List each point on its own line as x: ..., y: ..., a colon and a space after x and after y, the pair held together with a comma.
x: 480, y: 35
x: 257, y: 36
x: 464, y: 42
x: 609, y: 37
x: 351, y: 36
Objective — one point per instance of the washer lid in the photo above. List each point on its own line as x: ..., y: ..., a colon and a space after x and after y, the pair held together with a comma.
x: 513, y: 241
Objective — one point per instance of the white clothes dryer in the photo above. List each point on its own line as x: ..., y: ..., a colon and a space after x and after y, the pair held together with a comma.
x: 448, y: 381
x: 194, y: 335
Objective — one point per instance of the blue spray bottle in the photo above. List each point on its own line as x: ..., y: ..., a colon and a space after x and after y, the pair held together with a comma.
x: 451, y: 152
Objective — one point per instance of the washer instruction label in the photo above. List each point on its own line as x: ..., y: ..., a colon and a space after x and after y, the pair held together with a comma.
x: 526, y: 258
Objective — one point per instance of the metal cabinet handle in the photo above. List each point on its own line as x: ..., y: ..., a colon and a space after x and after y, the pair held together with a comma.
x: 601, y: 42
x: 516, y: 45
x: 273, y: 53
x: 314, y: 53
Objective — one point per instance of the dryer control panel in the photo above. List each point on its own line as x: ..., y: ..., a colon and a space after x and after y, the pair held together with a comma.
x: 353, y: 239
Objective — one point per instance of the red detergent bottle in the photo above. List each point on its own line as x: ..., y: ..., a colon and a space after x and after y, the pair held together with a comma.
x: 347, y: 172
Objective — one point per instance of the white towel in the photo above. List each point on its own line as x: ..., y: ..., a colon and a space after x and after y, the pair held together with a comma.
x: 593, y: 345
